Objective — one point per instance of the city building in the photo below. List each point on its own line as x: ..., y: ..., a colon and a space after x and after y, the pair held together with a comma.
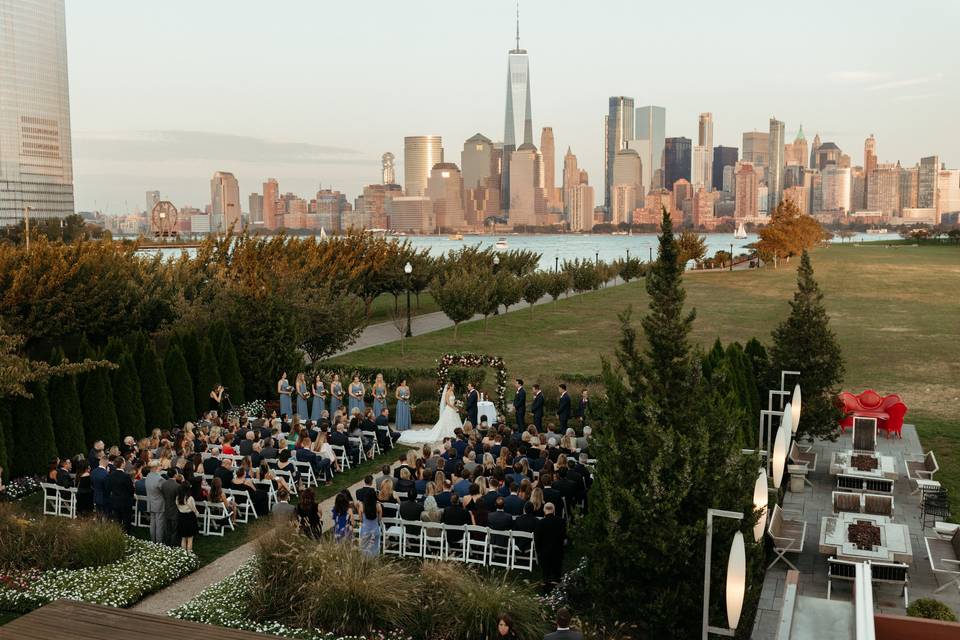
x: 331, y: 205
x: 445, y: 190
x: 677, y: 158
x: 829, y: 153
x: 909, y: 187
x: 649, y: 129
x: 682, y: 197
x: 702, y: 214
x: 705, y: 130
x: 619, y: 130
x: 271, y: 191
x: 723, y: 157
x: 883, y: 189
x: 225, y: 210
x: 526, y: 196
x: 548, y: 158
x: 389, y: 175
x: 797, y: 195
x: 795, y: 153
x: 480, y: 164
x: 745, y: 191
x: 628, y: 170
x: 153, y: 197
x: 376, y: 198
x: 948, y: 192
x: 775, y: 163
x: 255, y: 208
x: 763, y: 201
x: 420, y: 154
x: 756, y: 146
x: 835, y: 187
x: 729, y: 179
x: 858, y: 189
x: 571, y: 178
x: 927, y: 182
x: 869, y: 163
x: 411, y: 214
x: 701, y: 167
x: 623, y: 203
x: 36, y: 157
x: 581, y: 207
x: 518, y: 115
x: 814, y: 150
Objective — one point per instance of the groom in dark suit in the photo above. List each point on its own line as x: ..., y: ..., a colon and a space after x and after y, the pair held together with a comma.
x: 563, y: 408
x: 536, y: 408
x: 520, y: 403
x: 473, y: 396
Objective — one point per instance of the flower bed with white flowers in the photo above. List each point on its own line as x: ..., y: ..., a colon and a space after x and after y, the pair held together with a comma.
x: 147, y: 567
x: 223, y: 605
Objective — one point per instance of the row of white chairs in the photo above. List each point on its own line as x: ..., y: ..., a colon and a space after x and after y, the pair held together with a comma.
x: 214, y: 517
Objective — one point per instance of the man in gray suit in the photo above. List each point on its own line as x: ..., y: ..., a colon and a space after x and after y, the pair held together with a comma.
x: 169, y: 489
x: 283, y: 511
x: 155, y: 500
x: 563, y: 632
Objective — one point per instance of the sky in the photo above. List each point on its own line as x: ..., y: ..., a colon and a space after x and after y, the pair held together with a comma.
x: 163, y: 94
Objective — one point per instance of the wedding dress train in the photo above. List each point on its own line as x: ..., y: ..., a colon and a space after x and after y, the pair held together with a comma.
x: 448, y: 423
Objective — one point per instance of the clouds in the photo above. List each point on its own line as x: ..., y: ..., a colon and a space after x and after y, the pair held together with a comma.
x: 906, y: 82
x: 878, y: 81
x: 853, y: 77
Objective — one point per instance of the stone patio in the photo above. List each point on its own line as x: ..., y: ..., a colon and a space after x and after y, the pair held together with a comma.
x: 815, y: 503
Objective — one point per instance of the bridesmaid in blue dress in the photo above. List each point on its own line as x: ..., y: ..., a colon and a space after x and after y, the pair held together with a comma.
x: 379, y: 395
x: 302, y: 395
x: 356, y: 396
x: 283, y: 389
x: 319, y: 399
x: 403, y: 420
x: 336, y: 394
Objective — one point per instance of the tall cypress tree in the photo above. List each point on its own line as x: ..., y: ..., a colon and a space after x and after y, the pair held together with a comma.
x: 190, y: 347
x: 663, y: 429
x: 805, y: 342
x: 180, y: 383
x: 126, y: 389
x: 227, y: 363
x: 157, y: 403
x: 33, y: 439
x: 66, y: 412
x: 99, y: 412
x: 208, y: 375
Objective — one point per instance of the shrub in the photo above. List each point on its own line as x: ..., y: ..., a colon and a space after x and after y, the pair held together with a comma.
x: 931, y: 609
x: 157, y: 402
x: 65, y: 412
x: 425, y: 412
x: 180, y: 383
x: 32, y: 433
x: 96, y: 544
x: 127, y: 396
x: 56, y: 543
x: 99, y: 412
x: 208, y: 374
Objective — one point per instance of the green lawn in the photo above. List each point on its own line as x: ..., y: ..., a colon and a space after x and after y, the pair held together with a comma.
x: 382, y: 309
x: 896, y: 312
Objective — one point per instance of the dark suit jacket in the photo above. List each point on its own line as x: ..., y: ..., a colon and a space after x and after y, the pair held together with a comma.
x: 120, y: 486
x: 170, y: 489
x: 536, y: 407
x: 210, y: 465
x: 549, y: 536
x: 563, y: 407
x: 584, y: 408
x: 551, y: 494
x: 500, y: 521
x: 225, y: 475
x: 98, y: 481
x: 472, y: 398
x: 566, y: 634
x: 520, y: 401
x: 513, y: 505
x: 411, y: 510
x: 456, y: 516
x: 246, y: 447
x: 526, y: 523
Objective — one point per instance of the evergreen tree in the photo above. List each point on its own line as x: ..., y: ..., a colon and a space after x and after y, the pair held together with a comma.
x: 99, y: 412
x: 157, y: 403
x: 6, y: 424
x: 190, y: 347
x: 227, y: 363
x: 208, y: 375
x: 713, y: 359
x: 32, y: 432
x: 66, y: 412
x: 180, y: 383
x: 805, y: 342
x: 126, y: 389
x: 673, y: 436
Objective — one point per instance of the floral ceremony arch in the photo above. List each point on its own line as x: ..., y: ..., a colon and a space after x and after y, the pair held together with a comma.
x: 474, y: 360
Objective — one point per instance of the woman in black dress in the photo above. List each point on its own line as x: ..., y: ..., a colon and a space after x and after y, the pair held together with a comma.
x: 308, y: 515
x: 187, y: 515
x: 84, y: 488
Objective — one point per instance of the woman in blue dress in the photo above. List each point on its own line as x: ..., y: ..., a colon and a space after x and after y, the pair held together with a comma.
x: 319, y: 399
x: 336, y: 394
x: 356, y: 391
x: 370, y: 524
x: 403, y: 420
x: 379, y: 395
x: 302, y: 394
x: 284, y: 389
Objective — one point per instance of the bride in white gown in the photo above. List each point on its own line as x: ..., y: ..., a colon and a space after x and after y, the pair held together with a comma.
x: 449, y: 422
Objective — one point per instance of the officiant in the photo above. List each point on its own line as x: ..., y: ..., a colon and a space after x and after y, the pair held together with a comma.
x: 473, y: 397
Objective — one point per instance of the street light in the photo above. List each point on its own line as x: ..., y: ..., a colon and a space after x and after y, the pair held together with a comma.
x: 556, y: 262
x: 408, y: 269
x: 780, y: 447
x: 736, y: 577
x: 496, y: 265
x: 731, y: 256
x: 597, y: 255
x: 651, y: 253
x: 795, y: 408
x: 628, y: 255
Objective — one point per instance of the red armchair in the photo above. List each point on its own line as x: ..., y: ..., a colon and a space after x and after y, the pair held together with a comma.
x: 888, y: 410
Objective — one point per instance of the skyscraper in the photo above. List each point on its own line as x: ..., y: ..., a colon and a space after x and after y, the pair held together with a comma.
x: 703, y: 154
x: 883, y: 189
x: 628, y: 188
x: 746, y: 191
x: 927, y: 182
x: 480, y: 162
x: 677, y: 155
x: 571, y: 178
x: 445, y: 190
x: 224, y: 203
x: 526, y: 196
x: 795, y: 153
x: 620, y: 119
x: 36, y: 157
x: 828, y: 153
x: 518, y: 118
x: 814, y: 151
x: 549, y: 166
x: 756, y: 146
x: 420, y: 153
x: 255, y: 207
x: 271, y: 190
x: 722, y: 157
x: 909, y: 187
x: 389, y: 175
x: 869, y: 165
x: 776, y: 164
x: 581, y: 208
x: 948, y: 192
x: 650, y: 129
x: 705, y: 130
x: 153, y: 197
x: 835, y: 186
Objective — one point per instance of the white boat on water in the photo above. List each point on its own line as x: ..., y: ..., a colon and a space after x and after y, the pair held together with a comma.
x: 741, y: 233
x: 877, y: 231
x: 501, y: 244
x: 323, y: 234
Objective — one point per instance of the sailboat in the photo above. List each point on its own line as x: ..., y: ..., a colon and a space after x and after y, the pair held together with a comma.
x: 741, y: 233
x: 323, y: 234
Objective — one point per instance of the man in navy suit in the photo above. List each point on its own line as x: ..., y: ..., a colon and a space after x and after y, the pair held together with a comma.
x: 520, y: 403
x: 473, y: 397
x: 563, y: 408
x: 536, y: 408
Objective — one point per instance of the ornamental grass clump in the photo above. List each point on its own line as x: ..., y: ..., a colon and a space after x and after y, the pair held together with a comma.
x: 42, y: 543
x: 331, y: 587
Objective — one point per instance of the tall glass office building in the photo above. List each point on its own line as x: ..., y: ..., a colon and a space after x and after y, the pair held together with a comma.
x: 518, y: 118
x: 36, y: 160
x: 650, y: 128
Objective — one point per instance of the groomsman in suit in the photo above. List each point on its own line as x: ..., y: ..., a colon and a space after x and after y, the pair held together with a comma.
x: 563, y: 408
x: 536, y: 408
x: 520, y: 403
x: 584, y: 408
x: 473, y: 397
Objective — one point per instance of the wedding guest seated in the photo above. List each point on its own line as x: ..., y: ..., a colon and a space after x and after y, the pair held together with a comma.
x: 385, y: 435
x: 321, y: 446
x: 340, y: 438
x: 445, y: 497
x: 470, y: 461
x: 259, y: 497
x: 246, y: 444
x: 225, y: 472
x: 95, y: 452
x: 213, y: 462
x: 411, y: 510
x: 461, y: 484
x: 405, y: 484
x: 308, y: 515
x: 459, y: 443
x: 492, y: 494
x: 550, y: 494
x: 385, y: 473
x: 63, y: 476
x: 499, y: 520
x: 430, y: 458
x: 285, y: 464
x: 407, y: 461
x: 525, y: 522
x: 583, y: 442
x: 454, y: 515
x: 431, y: 512
x: 269, y: 450
x: 305, y: 453
x: 513, y: 504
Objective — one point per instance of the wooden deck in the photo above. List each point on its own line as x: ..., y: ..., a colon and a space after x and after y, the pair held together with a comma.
x: 69, y: 619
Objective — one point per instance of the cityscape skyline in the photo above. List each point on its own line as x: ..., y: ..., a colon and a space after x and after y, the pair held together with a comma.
x: 151, y: 127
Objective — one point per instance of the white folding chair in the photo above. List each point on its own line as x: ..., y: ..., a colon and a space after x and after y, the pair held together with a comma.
x: 51, y: 499
x: 216, y: 517
x: 392, y: 534
x: 412, y: 539
x: 376, y: 443
x: 434, y: 541
x: 498, y: 548
x: 271, y: 492
x: 455, y: 550
x: 342, y: 456
x: 477, y: 541
x: 68, y: 502
x: 361, y: 455
x: 288, y: 477
x: 141, y: 517
x: 306, y: 473
x: 245, y: 508
x: 520, y: 559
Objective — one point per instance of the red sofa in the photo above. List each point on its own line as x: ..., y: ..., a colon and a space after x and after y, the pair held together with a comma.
x: 888, y: 410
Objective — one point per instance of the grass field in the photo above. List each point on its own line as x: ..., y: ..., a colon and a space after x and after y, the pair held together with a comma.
x: 383, y: 306
x: 896, y: 312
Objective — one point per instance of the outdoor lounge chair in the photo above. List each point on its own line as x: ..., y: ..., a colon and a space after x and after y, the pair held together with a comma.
x: 924, y: 468
x: 945, y: 558
x: 844, y: 501
x: 804, y: 457
x: 787, y: 533
x: 864, y: 434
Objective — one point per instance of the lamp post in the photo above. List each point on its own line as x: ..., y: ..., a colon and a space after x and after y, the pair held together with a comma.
x: 496, y: 266
x: 556, y: 262
x: 651, y: 253
x: 26, y: 224
x: 628, y: 255
x: 596, y: 255
x: 408, y: 269
x: 736, y: 576
x: 731, y: 256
